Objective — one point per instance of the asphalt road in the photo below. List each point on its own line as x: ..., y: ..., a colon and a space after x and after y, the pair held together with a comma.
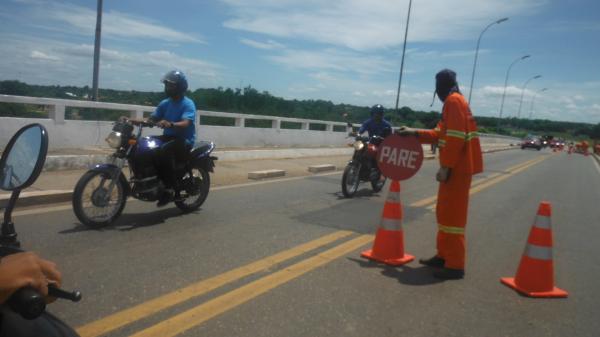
x: 234, y: 267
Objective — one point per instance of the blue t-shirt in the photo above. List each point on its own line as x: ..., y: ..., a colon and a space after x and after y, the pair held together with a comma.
x: 176, y: 111
x: 374, y: 128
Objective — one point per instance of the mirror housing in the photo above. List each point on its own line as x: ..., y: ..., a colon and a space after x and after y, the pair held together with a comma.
x: 20, y: 165
x: 23, y: 158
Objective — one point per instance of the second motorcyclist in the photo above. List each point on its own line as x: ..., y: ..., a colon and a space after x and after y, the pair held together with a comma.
x: 375, y: 126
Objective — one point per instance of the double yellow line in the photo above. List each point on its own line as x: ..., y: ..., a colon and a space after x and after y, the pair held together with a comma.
x: 205, y: 311
x: 195, y: 316
x: 481, y: 184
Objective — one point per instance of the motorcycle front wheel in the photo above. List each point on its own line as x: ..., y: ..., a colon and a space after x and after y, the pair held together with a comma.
x: 196, y: 187
x: 93, y: 203
x: 350, y: 180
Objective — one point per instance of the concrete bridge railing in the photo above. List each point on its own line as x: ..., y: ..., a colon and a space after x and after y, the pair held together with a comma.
x: 70, y: 133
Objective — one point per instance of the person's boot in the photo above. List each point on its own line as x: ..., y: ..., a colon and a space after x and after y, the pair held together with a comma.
x: 449, y: 274
x: 165, y: 198
x: 435, y: 261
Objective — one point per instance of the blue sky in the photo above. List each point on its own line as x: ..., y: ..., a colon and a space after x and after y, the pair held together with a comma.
x: 346, y: 51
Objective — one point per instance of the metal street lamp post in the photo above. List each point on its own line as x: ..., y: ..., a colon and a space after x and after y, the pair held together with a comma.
x: 403, y: 52
x: 533, y: 100
x: 477, y: 53
x: 97, y: 51
x: 506, y: 81
x: 523, y: 93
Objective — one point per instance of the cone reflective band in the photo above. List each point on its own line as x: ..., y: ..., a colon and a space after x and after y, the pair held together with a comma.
x: 388, y: 247
x: 535, y: 275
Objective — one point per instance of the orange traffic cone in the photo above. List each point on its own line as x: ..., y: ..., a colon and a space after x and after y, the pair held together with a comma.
x: 535, y: 276
x: 389, y: 242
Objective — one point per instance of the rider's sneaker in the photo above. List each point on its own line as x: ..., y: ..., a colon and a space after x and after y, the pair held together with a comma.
x: 165, y: 198
x: 375, y: 175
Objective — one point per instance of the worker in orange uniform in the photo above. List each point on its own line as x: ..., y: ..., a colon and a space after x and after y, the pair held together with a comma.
x: 584, y: 147
x: 460, y: 158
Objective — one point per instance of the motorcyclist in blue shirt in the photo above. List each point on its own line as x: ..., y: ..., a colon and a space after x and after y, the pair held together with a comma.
x: 376, y: 125
x: 176, y: 115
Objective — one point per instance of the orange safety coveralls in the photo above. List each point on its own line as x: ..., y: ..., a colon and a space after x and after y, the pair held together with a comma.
x: 584, y: 147
x: 460, y: 150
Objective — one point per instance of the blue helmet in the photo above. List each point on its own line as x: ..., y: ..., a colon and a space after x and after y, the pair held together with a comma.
x: 178, y: 78
x: 377, y: 109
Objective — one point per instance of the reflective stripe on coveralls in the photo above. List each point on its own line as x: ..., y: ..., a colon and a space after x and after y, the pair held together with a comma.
x: 451, y: 230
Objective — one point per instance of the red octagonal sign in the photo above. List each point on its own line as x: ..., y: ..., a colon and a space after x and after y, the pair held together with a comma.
x: 400, y: 157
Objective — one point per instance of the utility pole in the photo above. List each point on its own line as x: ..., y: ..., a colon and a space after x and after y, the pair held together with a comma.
x: 403, y: 52
x: 97, y: 51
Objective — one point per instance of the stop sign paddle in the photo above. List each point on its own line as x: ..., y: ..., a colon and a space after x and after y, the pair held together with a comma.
x: 399, y: 158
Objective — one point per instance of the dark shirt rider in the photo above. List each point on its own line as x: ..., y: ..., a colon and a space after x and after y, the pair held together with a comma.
x: 376, y: 125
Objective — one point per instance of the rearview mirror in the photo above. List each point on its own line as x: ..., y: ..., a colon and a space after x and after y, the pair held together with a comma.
x: 23, y: 158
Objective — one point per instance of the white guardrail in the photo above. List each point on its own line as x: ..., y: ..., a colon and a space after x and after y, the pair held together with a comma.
x: 66, y: 133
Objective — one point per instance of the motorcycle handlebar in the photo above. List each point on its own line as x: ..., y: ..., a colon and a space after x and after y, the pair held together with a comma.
x: 30, y: 304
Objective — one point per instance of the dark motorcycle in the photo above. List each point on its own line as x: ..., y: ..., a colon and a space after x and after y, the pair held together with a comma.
x: 24, y: 313
x: 100, y: 194
x: 363, y: 166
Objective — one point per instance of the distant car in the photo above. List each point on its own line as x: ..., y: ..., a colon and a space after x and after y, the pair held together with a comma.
x: 534, y: 143
x: 557, y: 143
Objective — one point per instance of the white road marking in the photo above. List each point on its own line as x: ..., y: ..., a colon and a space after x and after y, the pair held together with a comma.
x: 270, y: 181
x: 596, y: 163
x: 64, y: 207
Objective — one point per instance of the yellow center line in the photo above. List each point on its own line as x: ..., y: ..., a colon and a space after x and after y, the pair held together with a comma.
x: 429, y: 200
x: 130, y: 315
x: 200, y: 314
x: 498, y: 178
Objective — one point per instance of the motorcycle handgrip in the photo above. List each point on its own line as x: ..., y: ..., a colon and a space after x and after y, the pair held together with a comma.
x: 27, y: 302
x: 54, y: 291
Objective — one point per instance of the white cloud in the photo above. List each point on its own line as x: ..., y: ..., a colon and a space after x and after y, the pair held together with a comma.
x: 269, y: 45
x: 334, y: 60
x: 364, y: 25
x: 82, y: 20
x: 417, y: 53
x: 119, y: 69
x: 498, y: 91
x: 35, y: 54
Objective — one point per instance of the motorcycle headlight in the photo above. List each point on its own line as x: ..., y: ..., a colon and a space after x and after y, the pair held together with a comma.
x: 358, y: 145
x: 114, y: 140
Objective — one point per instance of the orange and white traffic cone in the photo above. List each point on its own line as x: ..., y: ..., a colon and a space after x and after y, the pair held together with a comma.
x: 535, y: 276
x: 388, y: 247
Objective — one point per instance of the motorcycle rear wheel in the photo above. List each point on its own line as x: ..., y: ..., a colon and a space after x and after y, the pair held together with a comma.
x: 198, y: 194
x: 350, y: 180
x: 90, y: 204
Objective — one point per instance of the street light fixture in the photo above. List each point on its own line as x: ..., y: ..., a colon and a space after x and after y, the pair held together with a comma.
x: 533, y: 100
x: 403, y: 52
x: 523, y: 93
x: 477, y: 53
x: 506, y: 81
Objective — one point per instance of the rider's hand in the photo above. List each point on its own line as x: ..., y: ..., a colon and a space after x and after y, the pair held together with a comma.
x: 406, y: 131
x: 352, y: 133
x: 164, y: 124
x: 123, y: 119
x: 27, y: 269
x: 443, y: 174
